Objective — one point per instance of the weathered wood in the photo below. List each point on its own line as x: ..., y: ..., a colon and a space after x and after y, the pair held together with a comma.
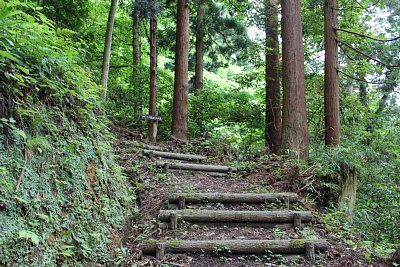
x: 181, y: 202
x: 160, y: 251
x: 297, y: 219
x: 310, y: 251
x: 150, y: 147
x: 235, y: 216
x: 296, y: 246
x: 170, y: 155
x: 281, y: 226
x: 197, y: 167
x: 173, y: 219
x: 252, y: 198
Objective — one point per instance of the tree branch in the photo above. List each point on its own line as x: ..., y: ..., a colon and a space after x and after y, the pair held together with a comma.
x: 370, y: 57
x: 367, y: 36
x: 358, y: 79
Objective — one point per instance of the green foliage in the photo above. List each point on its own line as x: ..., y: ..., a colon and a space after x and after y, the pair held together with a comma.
x: 73, y: 200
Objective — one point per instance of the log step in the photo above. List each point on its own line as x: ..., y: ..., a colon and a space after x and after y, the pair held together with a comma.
x: 251, y: 198
x: 237, y: 216
x: 195, y: 167
x: 170, y: 155
x: 294, y: 246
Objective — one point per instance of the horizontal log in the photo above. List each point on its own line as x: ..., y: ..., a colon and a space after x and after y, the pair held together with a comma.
x: 281, y: 226
x: 146, y: 146
x: 196, y: 167
x: 295, y: 246
x: 252, y: 198
x: 170, y: 155
x: 235, y: 216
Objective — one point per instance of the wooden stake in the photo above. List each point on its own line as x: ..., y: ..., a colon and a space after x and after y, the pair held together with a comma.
x: 160, y: 251
x: 287, y: 202
x: 310, y: 252
x: 174, y: 221
x: 297, y: 221
x: 182, y: 203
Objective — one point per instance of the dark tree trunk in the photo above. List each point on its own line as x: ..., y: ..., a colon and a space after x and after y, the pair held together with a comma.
x: 272, y: 79
x: 331, y: 88
x: 180, y: 104
x: 363, y: 95
x: 152, y: 129
x: 137, y: 61
x: 294, y: 117
x: 107, y: 47
x: 198, y: 77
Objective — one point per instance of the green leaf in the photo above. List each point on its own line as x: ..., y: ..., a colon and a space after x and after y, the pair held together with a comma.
x: 26, y: 234
x: 7, y: 55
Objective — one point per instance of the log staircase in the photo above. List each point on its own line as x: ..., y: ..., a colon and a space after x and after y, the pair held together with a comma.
x: 193, y: 210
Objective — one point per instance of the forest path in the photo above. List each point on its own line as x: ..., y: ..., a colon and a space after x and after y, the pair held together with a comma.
x: 253, y: 232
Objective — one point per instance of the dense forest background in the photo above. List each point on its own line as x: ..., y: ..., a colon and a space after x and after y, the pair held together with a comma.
x: 55, y: 116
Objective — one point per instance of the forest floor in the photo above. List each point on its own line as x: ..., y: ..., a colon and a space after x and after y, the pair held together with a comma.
x: 154, y: 184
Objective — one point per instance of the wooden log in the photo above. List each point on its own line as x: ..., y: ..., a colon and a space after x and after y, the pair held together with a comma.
x: 235, y: 216
x: 252, y: 198
x: 282, y: 226
x: 170, y: 155
x: 173, y: 219
x: 150, y: 147
x: 197, y: 167
x: 297, y: 219
x: 181, y: 202
x: 295, y: 246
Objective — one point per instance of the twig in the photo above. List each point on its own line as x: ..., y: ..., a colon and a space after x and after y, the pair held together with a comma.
x: 370, y: 57
x: 367, y: 36
x: 23, y: 169
x: 358, y: 79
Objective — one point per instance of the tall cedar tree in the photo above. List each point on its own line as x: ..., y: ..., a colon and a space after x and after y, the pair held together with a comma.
x: 107, y: 46
x: 180, y: 102
x: 137, y: 61
x: 198, y: 77
x: 331, y: 88
x: 152, y: 128
x: 273, y: 96
x: 294, y: 117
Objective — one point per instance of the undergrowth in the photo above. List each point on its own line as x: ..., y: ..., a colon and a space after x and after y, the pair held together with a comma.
x: 63, y: 199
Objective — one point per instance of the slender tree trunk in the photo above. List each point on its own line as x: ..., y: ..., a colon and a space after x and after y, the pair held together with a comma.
x: 294, y: 117
x: 152, y: 129
x: 363, y: 95
x: 180, y: 104
x: 273, y: 95
x: 107, y: 46
x: 137, y: 61
x: 198, y: 77
x: 331, y: 88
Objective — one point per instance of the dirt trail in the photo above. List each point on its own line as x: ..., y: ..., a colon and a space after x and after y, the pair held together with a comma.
x: 153, y: 185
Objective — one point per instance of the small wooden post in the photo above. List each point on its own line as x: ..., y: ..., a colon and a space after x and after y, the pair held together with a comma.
x: 160, y: 251
x: 310, y: 252
x: 297, y: 221
x: 151, y: 155
x: 166, y: 167
x: 174, y: 221
x: 287, y: 202
x: 182, y: 203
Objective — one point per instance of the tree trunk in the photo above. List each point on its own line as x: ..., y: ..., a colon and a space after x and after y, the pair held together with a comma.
x: 295, y: 246
x: 180, y: 103
x: 363, y: 95
x: 152, y: 124
x: 294, y: 117
x: 272, y: 79
x: 331, y: 88
x: 137, y: 61
x: 107, y: 47
x: 198, y: 77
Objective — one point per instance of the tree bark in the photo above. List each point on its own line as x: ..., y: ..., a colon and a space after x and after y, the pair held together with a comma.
x: 199, y: 68
x: 294, y: 117
x: 331, y: 87
x: 272, y: 79
x: 235, y: 216
x: 107, y: 47
x: 234, y: 197
x: 196, y: 167
x: 137, y: 61
x: 152, y: 124
x: 180, y: 102
x: 348, y: 194
x: 295, y: 246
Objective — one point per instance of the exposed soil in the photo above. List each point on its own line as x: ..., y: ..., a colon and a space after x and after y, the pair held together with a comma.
x: 154, y: 184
